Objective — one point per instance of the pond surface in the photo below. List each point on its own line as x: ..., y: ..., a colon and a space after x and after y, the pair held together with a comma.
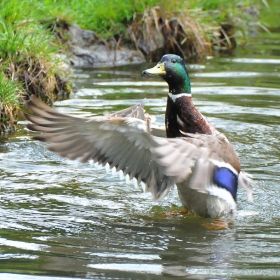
x: 63, y: 219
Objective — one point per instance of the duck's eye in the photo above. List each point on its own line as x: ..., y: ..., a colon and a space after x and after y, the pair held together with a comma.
x: 174, y: 60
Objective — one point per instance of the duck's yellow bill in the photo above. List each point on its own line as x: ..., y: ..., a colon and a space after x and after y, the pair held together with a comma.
x: 159, y: 69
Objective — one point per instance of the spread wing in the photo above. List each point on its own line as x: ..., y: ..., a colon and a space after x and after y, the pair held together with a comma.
x: 123, y: 142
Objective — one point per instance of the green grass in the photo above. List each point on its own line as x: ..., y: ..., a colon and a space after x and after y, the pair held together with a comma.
x: 23, y: 40
x: 8, y: 91
x: 9, y: 103
x: 270, y: 13
x: 107, y: 18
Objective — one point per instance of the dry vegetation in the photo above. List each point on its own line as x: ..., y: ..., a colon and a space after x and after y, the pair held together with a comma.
x: 155, y: 33
x: 190, y: 33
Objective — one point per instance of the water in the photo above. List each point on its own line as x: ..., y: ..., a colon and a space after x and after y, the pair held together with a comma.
x: 64, y: 219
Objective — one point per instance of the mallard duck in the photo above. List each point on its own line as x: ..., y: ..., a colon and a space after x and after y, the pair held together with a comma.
x: 194, y: 155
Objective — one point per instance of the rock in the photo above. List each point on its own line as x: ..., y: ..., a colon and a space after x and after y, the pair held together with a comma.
x: 87, y: 50
x: 82, y: 38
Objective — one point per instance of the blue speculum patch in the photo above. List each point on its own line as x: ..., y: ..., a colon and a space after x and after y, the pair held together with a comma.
x: 225, y: 178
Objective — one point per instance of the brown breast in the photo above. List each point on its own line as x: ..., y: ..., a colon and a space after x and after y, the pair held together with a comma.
x: 182, y: 115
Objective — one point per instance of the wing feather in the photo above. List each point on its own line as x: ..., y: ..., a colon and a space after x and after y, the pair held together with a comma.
x: 123, y: 143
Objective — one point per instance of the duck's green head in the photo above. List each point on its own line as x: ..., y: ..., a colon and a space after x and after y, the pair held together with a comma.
x: 173, y: 70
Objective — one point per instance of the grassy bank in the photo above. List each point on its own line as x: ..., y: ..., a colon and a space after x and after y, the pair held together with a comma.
x: 28, y: 61
x: 31, y: 34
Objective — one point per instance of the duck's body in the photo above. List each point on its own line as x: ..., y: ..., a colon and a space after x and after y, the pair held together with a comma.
x: 211, y: 190
x: 195, y: 156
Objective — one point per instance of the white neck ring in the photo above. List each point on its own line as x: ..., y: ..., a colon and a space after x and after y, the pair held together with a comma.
x: 175, y: 96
